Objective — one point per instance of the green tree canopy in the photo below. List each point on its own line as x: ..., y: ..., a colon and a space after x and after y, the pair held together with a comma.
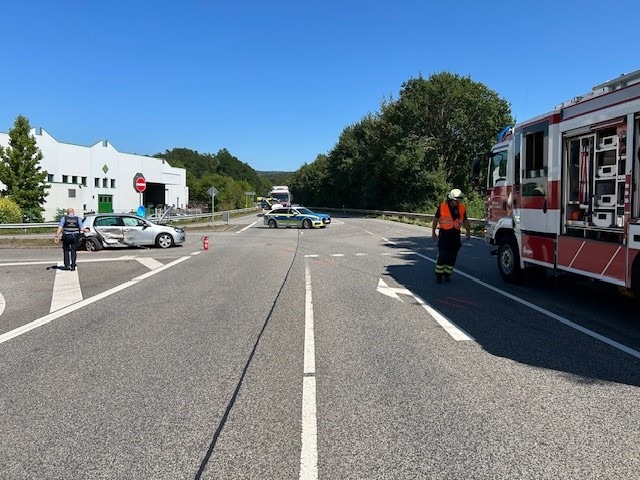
x: 20, y: 171
x: 408, y: 155
x: 222, y: 170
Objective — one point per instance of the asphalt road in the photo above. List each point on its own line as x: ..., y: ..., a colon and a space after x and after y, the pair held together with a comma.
x: 326, y: 354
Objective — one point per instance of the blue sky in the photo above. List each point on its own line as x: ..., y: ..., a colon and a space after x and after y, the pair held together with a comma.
x: 276, y: 82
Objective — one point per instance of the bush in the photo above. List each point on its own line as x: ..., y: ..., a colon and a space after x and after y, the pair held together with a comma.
x: 9, y: 211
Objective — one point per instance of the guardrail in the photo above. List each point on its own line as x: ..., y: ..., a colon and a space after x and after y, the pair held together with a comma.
x: 224, y: 215
x: 169, y: 218
x: 475, y: 222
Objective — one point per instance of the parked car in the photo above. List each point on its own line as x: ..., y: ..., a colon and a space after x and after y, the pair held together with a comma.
x: 295, y: 217
x: 128, y: 230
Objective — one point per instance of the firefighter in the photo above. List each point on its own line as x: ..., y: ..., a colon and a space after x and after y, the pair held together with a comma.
x: 450, y: 215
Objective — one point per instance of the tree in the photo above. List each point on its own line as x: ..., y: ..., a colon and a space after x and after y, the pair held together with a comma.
x: 407, y: 156
x: 20, y: 171
x: 9, y: 211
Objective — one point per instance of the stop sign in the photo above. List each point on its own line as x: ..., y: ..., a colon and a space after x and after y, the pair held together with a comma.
x: 141, y: 184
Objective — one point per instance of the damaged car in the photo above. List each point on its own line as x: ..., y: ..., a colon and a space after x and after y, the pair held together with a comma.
x: 128, y: 230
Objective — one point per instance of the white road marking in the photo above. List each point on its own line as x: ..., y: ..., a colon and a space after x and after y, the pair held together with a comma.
x: 309, y: 435
x: 150, y: 263
x: 385, y: 289
x: 337, y: 255
x: 456, y: 332
x: 66, y: 289
x: 76, y: 306
x: 549, y: 314
x: 3, y: 304
x: 248, y: 226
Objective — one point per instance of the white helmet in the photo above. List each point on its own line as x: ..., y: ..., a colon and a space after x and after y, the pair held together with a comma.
x: 456, y: 194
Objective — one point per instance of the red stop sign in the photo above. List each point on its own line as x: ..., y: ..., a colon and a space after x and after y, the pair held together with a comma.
x: 141, y: 184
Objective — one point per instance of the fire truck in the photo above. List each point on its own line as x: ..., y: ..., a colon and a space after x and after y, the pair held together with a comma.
x: 562, y: 188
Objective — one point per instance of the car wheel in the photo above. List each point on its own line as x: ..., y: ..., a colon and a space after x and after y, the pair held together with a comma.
x: 164, y: 240
x: 509, y: 260
x: 306, y: 223
x: 272, y: 223
x: 92, y: 245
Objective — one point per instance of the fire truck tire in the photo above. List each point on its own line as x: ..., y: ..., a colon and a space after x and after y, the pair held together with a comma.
x: 509, y: 260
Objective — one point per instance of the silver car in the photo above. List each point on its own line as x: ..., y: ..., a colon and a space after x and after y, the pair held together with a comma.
x: 128, y: 230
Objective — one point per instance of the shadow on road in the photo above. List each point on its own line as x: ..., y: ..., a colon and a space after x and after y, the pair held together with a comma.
x: 506, y: 328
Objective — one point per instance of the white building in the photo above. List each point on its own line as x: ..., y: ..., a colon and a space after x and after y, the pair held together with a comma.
x: 101, y: 179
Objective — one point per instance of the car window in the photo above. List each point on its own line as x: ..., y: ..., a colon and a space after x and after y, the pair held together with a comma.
x: 108, y: 222
x: 280, y: 211
x: 133, y: 222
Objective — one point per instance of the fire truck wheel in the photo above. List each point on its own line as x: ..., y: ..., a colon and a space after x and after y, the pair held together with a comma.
x: 509, y: 260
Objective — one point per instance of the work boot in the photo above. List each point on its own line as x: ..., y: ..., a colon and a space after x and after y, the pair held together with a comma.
x: 438, y: 278
x: 447, y: 279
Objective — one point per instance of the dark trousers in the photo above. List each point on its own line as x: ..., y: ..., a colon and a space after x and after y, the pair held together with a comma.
x: 446, y: 260
x: 70, y: 247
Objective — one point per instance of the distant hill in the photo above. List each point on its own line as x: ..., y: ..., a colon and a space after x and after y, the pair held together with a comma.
x: 277, y: 178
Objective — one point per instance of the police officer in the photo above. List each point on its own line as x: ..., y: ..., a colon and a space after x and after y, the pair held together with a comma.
x: 69, y: 228
x: 450, y: 215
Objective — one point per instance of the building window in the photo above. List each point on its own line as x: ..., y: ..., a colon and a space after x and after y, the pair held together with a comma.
x: 96, y: 182
x: 113, y: 183
x: 105, y: 183
x: 50, y: 177
x: 65, y: 178
x: 72, y: 193
x: 74, y: 179
x: 84, y: 181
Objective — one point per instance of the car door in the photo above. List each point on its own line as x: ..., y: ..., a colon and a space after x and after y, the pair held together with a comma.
x: 136, y: 231
x: 109, y: 227
x: 295, y: 217
x: 288, y: 217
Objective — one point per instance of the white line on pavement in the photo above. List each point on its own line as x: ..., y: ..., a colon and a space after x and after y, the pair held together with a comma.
x: 309, y: 436
x: 555, y: 316
x: 150, y: 263
x: 66, y: 289
x: 76, y: 306
x: 248, y: 226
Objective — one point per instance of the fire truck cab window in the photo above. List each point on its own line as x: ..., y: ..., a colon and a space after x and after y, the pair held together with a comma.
x: 534, y: 155
x: 498, y: 168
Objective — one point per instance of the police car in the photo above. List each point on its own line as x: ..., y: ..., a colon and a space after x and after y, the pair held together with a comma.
x: 295, y: 217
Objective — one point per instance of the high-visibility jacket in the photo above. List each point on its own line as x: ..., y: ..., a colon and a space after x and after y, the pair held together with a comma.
x: 446, y: 221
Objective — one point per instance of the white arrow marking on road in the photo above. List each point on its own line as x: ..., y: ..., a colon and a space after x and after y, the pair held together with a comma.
x: 385, y: 289
x: 456, y: 333
x: 2, y: 304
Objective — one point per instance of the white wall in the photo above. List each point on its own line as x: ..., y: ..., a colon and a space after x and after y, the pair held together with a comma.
x: 64, y: 159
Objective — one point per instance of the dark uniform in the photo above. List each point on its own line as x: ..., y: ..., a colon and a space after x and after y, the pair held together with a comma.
x: 71, y: 228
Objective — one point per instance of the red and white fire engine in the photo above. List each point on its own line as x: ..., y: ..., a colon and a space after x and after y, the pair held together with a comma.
x: 562, y: 188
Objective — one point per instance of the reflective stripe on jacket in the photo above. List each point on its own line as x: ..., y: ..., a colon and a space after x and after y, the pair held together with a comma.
x: 446, y: 221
